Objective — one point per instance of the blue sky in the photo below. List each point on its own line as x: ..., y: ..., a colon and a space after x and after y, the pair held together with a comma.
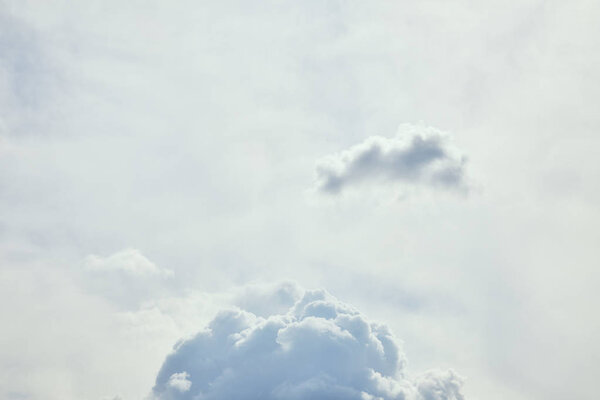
x: 433, y: 165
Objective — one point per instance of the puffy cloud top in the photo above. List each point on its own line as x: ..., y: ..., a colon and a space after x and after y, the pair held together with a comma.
x: 320, y: 349
x: 417, y: 155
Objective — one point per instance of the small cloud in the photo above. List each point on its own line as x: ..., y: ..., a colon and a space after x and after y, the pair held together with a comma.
x: 418, y: 155
x: 126, y: 277
x: 128, y: 261
x: 440, y: 385
x: 179, y: 381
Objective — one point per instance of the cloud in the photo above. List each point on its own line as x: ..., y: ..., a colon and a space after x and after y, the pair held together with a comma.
x: 320, y: 348
x: 440, y: 385
x: 264, y: 299
x: 180, y: 382
x: 129, y: 261
x: 416, y: 156
x: 126, y: 277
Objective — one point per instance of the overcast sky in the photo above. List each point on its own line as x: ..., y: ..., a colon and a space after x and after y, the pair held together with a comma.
x: 429, y: 168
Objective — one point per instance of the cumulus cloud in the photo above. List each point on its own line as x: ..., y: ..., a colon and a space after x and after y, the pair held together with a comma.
x: 418, y: 155
x: 320, y: 349
x: 129, y: 261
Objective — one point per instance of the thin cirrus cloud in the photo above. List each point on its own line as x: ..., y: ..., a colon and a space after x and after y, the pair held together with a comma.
x: 320, y: 348
x: 416, y: 156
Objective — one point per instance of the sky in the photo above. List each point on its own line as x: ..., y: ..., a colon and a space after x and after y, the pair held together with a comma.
x: 360, y: 200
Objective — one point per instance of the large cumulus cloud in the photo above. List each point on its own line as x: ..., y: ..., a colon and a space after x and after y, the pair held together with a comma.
x: 319, y: 349
x: 416, y: 156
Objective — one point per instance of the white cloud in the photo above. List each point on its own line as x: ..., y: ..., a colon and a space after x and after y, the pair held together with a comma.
x: 180, y: 382
x: 321, y: 348
x: 417, y: 155
x: 440, y: 385
x: 127, y: 278
x: 129, y: 261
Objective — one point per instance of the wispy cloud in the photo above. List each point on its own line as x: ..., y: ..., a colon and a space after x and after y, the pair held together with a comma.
x: 126, y: 277
x: 129, y: 261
